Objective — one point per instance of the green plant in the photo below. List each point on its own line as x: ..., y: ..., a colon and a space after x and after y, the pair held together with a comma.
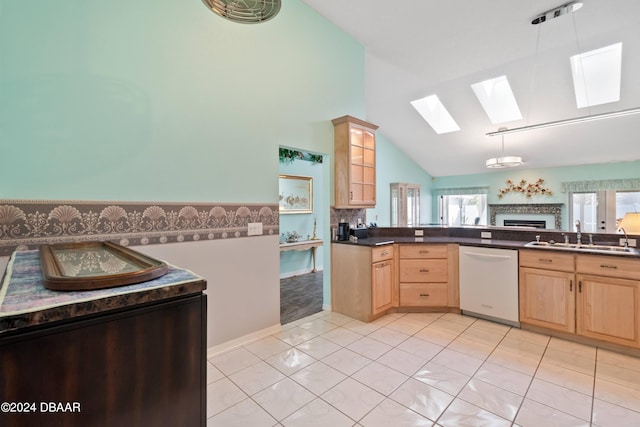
x: 288, y: 156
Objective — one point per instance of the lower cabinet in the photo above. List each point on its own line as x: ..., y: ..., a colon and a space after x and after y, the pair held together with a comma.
x: 368, y: 281
x: 547, y: 299
x: 424, y: 275
x: 139, y: 366
x: 596, y: 297
x: 362, y: 280
x: 382, y: 286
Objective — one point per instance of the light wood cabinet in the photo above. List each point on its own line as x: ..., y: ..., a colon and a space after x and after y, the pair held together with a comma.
x: 608, y: 299
x: 424, y: 275
x: 547, y: 299
x: 362, y: 280
x: 365, y: 280
x: 382, y: 286
x: 355, y: 163
x: 592, y: 296
x: 546, y: 284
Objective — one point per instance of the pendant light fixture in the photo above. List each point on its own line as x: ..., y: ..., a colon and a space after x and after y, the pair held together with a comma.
x: 503, y: 161
x: 565, y: 9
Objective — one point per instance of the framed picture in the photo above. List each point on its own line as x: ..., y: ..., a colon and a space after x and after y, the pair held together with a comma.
x: 95, y: 265
x: 295, y: 194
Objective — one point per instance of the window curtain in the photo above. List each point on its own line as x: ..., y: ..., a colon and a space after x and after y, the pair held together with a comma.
x: 460, y: 191
x: 605, y: 184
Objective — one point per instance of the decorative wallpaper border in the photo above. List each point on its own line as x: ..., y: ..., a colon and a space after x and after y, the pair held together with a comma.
x: 554, y: 209
x: 25, y: 224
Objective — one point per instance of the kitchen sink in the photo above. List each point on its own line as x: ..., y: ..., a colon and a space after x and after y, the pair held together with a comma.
x: 601, y: 249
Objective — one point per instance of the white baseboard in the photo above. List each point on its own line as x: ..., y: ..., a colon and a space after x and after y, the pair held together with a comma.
x: 245, y: 339
x: 298, y: 273
x: 326, y: 307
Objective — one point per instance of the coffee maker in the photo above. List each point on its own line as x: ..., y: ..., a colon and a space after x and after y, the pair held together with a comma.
x: 343, y: 231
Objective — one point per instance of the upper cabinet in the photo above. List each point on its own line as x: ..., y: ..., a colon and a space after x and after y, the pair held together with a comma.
x: 355, y: 163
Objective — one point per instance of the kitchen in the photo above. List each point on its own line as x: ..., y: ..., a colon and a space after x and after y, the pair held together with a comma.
x: 123, y: 102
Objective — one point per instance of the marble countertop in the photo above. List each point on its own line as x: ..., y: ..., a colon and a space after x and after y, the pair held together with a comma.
x: 25, y: 302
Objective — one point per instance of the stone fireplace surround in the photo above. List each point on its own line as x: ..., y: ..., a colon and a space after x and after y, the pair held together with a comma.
x: 554, y: 209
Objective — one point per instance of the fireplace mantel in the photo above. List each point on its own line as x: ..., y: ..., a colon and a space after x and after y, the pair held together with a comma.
x: 554, y: 209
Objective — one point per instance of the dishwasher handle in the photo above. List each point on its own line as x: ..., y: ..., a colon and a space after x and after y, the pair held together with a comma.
x: 481, y: 255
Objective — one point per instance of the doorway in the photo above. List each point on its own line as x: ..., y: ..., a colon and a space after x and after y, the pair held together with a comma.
x: 302, y: 226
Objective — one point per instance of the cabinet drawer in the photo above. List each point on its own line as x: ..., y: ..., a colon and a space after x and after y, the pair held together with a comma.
x: 423, y: 295
x: 423, y: 270
x: 381, y: 253
x: 609, y: 266
x: 548, y: 260
x: 423, y: 251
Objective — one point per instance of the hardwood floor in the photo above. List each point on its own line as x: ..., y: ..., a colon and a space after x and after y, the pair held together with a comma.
x: 300, y: 296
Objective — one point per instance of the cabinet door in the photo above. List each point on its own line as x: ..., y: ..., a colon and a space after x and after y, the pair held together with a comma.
x: 362, y: 182
x: 607, y: 309
x: 355, y: 163
x: 381, y: 286
x: 547, y: 299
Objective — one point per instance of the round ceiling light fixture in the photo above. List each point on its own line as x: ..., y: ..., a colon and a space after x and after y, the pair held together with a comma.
x: 503, y: 161
x: 245, y: 11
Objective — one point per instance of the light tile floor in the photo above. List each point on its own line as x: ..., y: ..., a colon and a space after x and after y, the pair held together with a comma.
x: 427, y: 369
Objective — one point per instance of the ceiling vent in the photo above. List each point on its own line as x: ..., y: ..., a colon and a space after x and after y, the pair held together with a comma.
x: 245, y: 11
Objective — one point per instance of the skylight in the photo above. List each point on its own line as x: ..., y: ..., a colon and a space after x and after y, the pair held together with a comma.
x: 432, y: 110
x: 596, y: 76
x: 497, y: 99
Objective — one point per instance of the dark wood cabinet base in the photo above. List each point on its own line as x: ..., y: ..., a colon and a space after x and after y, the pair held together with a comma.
x: 143, y: 366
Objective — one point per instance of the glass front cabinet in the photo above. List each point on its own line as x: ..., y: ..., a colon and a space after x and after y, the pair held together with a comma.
x: 405, y: 205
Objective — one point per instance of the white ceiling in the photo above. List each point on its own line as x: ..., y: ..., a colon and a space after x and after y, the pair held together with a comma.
x: 416, y: 48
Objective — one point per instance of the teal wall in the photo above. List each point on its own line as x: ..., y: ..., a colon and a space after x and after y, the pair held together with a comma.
x: 300, y: 261
x: 553, y: 179
x: 164, y: 100
x: 393, y: 165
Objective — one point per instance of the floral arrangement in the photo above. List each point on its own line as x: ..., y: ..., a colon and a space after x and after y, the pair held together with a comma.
x: 525, y: 189
x: 291, y: 236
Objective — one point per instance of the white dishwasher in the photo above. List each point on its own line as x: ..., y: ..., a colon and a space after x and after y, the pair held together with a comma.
x: 489, y: 283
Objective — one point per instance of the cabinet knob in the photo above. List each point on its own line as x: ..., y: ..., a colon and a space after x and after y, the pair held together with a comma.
x: 424, y: 270
x: 424, y: 295
x: 547, y: 260
x: 609, y: 266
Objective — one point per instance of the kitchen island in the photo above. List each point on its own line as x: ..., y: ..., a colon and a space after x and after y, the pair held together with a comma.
x: 128, y: 355
x: 585, y: 293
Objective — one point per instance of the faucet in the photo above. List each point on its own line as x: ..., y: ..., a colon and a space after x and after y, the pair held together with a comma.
x: 626, y: 237
x: 578, y: 233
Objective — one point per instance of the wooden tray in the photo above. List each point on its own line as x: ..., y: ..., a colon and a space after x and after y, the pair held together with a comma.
x: 95, y: 265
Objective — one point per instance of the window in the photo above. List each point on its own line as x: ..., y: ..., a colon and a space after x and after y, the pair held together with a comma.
x: 497, y: 99
x: 436, y: 114
x: 601, y: 211
x: 463, y: 209
x: 405, y: 205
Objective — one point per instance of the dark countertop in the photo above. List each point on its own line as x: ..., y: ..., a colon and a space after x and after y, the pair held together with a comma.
x: 25, y: 302
x: 468, y: 241
x: 472, y: 241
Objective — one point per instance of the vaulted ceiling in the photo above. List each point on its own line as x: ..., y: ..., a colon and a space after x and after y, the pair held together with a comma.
x: 416, y: 48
